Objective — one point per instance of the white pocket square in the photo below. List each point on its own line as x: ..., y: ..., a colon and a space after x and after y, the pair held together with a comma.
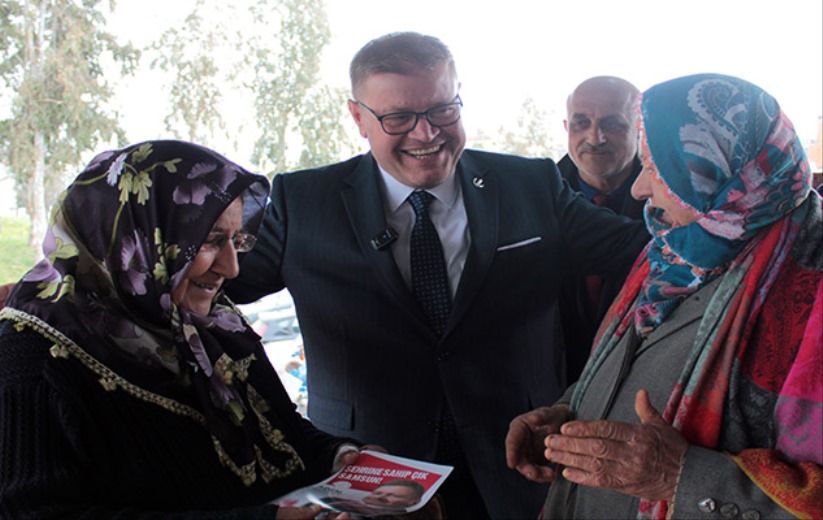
x: 520, y: 244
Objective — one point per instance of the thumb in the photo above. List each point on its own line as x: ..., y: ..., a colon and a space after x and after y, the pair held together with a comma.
x: 349, y: 457
x: 644, y: 409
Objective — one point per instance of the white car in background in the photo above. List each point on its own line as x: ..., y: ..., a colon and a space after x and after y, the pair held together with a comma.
x: 273, y: 318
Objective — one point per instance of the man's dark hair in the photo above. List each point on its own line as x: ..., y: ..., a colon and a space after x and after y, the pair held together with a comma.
x: 415, y: 486
x: 399, y: 53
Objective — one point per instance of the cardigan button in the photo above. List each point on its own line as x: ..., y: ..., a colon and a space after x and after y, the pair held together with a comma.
x: 707, y: 505
x: 729, y: 510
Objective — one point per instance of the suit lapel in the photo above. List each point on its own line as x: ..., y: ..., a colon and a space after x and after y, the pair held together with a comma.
x: 692, y: 309
x: 481, y: 198
x: 363, y: 202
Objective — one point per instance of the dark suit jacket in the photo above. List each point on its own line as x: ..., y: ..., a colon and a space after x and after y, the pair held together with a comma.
x: 376, y: 371
x: 578, y: 322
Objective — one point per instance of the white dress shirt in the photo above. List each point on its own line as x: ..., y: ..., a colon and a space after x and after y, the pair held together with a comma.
x: 447, y: 213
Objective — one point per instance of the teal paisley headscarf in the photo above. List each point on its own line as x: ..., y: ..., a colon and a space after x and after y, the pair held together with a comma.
x: 725, y: 149
x: 122, y: 237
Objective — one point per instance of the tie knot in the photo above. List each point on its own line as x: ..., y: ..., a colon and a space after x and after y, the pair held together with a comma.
x: 420, y: 201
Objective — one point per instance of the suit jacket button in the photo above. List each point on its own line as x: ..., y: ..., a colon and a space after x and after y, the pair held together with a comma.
x: 707, y: 505
x: 751, y: 514
x: 729, y: 510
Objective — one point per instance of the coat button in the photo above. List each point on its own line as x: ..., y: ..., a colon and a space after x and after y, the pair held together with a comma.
x: 729, y: 510
x: 751, y: 514
x: 707, y: 505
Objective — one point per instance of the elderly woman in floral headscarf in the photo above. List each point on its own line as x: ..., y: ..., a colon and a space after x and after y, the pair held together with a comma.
x: 718, y: 327
x: 129, y: 384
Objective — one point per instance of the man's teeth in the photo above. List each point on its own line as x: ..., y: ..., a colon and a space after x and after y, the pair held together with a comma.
x: 424, y: 151
x: 209, y: 287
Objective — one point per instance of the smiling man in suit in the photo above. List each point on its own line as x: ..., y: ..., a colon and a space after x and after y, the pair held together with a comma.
x: 430, y: 348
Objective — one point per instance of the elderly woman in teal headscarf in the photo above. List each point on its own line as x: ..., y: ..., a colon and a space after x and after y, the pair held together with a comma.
x: 704, y: 393
x: 130, y: 386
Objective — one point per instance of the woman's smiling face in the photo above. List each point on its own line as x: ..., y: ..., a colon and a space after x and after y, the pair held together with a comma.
x: 213, y: 263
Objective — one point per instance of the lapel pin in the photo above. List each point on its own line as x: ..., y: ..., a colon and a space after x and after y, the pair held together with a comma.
x: 478, y: 182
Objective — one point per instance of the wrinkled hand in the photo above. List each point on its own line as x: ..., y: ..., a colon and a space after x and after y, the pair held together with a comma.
x: 308, y: 513
x: 642, y: 460
x: 350, y: 453
x: 524, y: 442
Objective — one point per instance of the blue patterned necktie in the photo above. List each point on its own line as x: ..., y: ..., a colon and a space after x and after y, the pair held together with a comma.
x: 430, y: 280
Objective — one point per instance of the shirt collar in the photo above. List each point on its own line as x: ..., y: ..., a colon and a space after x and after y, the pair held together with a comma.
x: 397, y: 192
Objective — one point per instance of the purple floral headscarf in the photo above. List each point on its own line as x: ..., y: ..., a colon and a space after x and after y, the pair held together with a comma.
x: 121, y: 239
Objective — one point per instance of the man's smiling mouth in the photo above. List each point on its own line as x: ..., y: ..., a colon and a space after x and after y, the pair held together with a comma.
x: 424, y: 152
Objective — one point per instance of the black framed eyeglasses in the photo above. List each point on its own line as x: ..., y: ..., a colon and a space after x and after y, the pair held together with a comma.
x: 398, y: 123
x: 242, y: 242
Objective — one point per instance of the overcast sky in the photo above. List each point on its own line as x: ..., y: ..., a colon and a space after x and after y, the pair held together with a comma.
x: 508, y: 50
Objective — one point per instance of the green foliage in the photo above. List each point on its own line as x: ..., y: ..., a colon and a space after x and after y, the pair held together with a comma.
x: 51, y: 63
x: 17, y: 256
x: 195, y: 93
x: 273, y: 62
x: 530, y: 138
x: 281, y: 91
x: 325, y: 138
